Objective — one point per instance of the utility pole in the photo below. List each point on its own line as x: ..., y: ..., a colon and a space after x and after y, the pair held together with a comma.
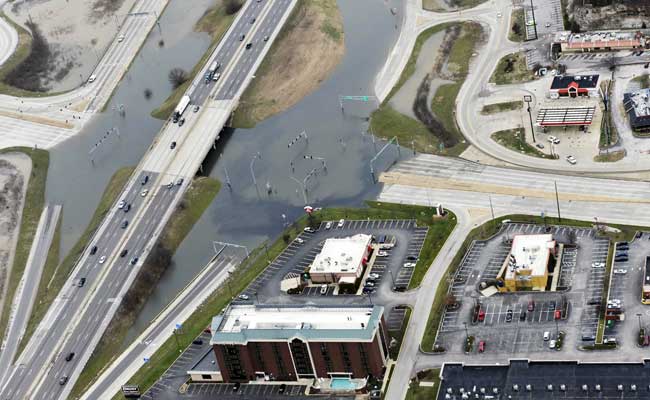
x: 639, y: 317
x: 491, y: 208
x: 466, y: 331
x: 557, y: 201
x: 528, y: 98
x: 255, y: 157
x: 532, y: 10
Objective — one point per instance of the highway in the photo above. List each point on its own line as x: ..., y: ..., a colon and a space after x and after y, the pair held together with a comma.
x: 466, y: 188
x: 79, y: 315
x: 25, y: 296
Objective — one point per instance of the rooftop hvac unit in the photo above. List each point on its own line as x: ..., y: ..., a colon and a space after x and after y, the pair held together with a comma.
x: 597, y: 387
x: 633, y: 388
x: 563, y: 387
x: 549, y: 387
x: 585, y: 388
x: 515, y: 388
x: 529, y: 387
x: 620, y: 388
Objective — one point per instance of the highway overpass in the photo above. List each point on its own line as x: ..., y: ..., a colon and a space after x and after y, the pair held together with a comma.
x: 79, y: 316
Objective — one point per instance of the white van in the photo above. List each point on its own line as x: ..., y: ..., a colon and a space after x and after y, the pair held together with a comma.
x: 216, y: 76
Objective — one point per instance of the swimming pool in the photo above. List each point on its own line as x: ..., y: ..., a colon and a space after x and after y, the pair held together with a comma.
x: 342, y: 384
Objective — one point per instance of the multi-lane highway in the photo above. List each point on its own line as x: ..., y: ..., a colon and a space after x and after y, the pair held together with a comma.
x: 47, y: 369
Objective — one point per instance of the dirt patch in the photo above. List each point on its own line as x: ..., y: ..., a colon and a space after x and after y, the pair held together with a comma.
x: 14, y: 172
x: 76, y: 34
x: 308, y: 49
x: 614, y: 16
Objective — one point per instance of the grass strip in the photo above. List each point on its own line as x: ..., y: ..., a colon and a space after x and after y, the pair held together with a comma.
x: 196, y: 200
x: 611, y: 156
x: 417, y: 392
x: 512, y: 69
x: 55, y: 275
x: 32, y: 209
x: 495, y: 108
x: 515, y: 139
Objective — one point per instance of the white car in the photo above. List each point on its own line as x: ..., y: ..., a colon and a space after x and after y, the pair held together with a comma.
x: 102, y: 259
x: 92, y: 78
x: 373, y: 275
x: 382, y: 254
x: 323, y: 289
x: 121, y: 204
x: 328, y: 225
x: 300, y: 241
x: 547, y: 336
x: 120, y: 38
x: 341, y: 222
x: 144, y: 192
x: 571, y: 160
x: 243, y: 297
x: 551, y: 344
x: 598, y: 265
x: 553, y: 139
x: 620, y: 271
x: 498, y: 15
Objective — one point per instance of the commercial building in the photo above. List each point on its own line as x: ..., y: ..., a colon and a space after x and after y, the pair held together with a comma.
x: 341, y: 260
x: 566, y: 41
x: 527, y: 265
x: 637, y: 107
x: 574, y: 86
x: 540, y: 380
x: 288, y: 343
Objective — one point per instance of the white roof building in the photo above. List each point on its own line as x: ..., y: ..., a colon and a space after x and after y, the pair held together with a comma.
x: 530, y: 252
x: 341, y: 257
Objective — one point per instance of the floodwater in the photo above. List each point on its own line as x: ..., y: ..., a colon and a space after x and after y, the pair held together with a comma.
x: 246, y: 215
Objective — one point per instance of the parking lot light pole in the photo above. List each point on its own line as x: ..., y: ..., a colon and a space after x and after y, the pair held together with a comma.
x: 528, y: 98
x: 639, y: 317
x: 392, y: 279
x: 466, y: 332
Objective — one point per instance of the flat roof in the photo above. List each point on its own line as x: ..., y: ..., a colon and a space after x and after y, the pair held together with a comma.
x: 565, y: 116
x: 341, y: 254
x: 582, y: 81
x: 529, y: 252
x: 600, y: 39
x: 637, y: 106
x: 242, y: 323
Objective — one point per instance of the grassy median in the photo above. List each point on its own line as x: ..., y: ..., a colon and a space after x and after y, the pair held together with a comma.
x: 254, y: 265
x: 196, y: 200
x: 496, y: 108
x: 417, y: 392
x: 512, y: 69
x: 32, y: 209
x: 55, y: 275
x: 515, y: 140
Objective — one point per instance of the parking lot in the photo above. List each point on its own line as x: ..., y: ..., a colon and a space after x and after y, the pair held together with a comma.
x: 515, y: 323
x: 625, y: 291
x: 250, y: 391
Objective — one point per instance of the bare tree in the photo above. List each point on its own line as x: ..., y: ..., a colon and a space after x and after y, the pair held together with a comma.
x: 177, y: 77
x: 232, y: 6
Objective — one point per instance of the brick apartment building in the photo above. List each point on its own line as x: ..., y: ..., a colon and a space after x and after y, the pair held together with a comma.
x: 287, y: 343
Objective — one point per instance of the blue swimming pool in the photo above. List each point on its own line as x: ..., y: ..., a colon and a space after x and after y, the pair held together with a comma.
x: 342, y: 384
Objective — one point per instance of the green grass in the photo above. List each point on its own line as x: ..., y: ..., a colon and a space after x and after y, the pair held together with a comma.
x: 444, y: 107
x: 387, y: 122
x: 486, y: 231
x: 517, y: 17
x: 56, y: 276
x: 514, y: 139
x: 195, y: 201
x: 463, y: 48
x: 434, y: 5
x: 215, y: 22
x: 495, y: 108
x: 32, y: 209
x: 417, y: 392
x: 253, y: 266
x: 612, y: 156
x: 608, y: 132
x: 519, y: 73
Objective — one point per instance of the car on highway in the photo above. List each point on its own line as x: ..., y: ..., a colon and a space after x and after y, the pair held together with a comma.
x: 172, y: 146
x: 253, y: 20
x: 328, y: 225
x: 553, y: 139
x: 63, y: 380
x: 134, y: 260
x: 120, y: 38
x: 243, y: 296
x: 69, y: 357
x: 179, y: 181
x: 121, y: 204
x: 125, y: 223
x: 92, y: 78
x: 81, y: 282
x: 170, y: 185
x: 93, y: 250
x: 341, y: 222
x: 241, y: 37
x: 181, y: 122
x: 102, y: 259
x: 249, y: 45
x: 124, y: 253
x: 144, y: 192
x: 145, y: 179
x: 571, y: 159
x: 127, y: 208
x: 196, y: 108
x: 216, y: 76
x: 266, y: 38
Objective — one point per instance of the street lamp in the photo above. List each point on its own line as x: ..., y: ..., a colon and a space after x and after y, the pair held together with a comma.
x: 528, y: 98
x: 255, y: 157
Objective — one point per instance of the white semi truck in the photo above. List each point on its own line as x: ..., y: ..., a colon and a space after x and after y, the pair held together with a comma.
x: 181, y: 107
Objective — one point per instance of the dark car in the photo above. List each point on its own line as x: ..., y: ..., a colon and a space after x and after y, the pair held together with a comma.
x: 623, y: 247
x: 197, y: 341
x: 179, y: 181
x: 253, y: 20
x: 551, y: 305
x: 522, y: 316
x: 412, y: 258
x: 127, y: 208
x: 124, y: 224
x: 509, y: 316
x: 172, y: 146
x: 134, y: 260
x: 181, y: 122
x: 236, y: 386
x: 621, y: 259
x: 93, y: 250
x: 145, y: 179
x: 69, y: 357
x: 124, y: 253
x: 63, y: 380
x: 531, y: 305
x: 249, y: 45
x: 282, y: 388
x: 367, y: 290
x: 82, y: 282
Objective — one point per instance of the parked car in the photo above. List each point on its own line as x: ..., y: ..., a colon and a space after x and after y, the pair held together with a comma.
x: 299, y: 240
x: 309, y: 229
x: 551, y: 344
x: 522, y: 315
x: 481, y: 346
x: 370, y: 284
x: 571, y: 159
x: 509, y: 316
x: 243, y: 296
x: 531, y: 305
x: 547, y: 336
x: 328, y: 225
x: 481, y: 316
x: 412, y: 258
x: 323, y: 289
x: 553, y: 139
x: 539, y: 145
x: 382, y: 254
x: 197, y: 341
x: 620, y: 271
x: 374, y: 275
x: 340, y: 224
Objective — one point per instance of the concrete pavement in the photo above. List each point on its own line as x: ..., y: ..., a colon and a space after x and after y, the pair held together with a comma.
x: 8, y: 38
x: 25, y: 296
